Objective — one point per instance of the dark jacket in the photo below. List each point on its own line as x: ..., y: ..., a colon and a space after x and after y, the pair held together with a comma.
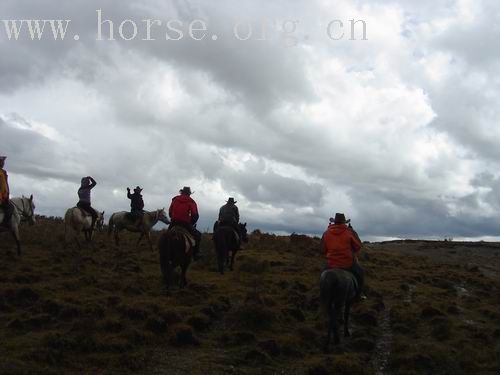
x: 136, y: 201
x: 84, y: 191
x: 229, y: 213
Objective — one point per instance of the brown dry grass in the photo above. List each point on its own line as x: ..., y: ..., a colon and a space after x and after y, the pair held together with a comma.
x: 433, y: 307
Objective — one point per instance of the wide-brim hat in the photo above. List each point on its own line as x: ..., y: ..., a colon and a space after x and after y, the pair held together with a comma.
x: 186, y: 190
x: 340, y: 219
x: 231, y: 200
x: 138, y: 188
x: 3, y: 157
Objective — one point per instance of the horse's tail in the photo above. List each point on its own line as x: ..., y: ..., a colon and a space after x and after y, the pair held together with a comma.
x: 221, y: 248
x: 220, y: 241
x: 111, y: 224
x: 68, y: 218
x: 327, y: 286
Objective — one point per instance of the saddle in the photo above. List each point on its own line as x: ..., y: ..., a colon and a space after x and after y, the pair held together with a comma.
x: 236, y: 234
x: 84, y: 213
x: 188, y: 237
x: 133, y: 217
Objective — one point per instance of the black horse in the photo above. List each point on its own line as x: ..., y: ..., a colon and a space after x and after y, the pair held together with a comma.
x: 227, y: 241
x: 176, y: 249
x: 337, y: 292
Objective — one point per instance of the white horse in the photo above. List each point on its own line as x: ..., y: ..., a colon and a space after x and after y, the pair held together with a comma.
x: 77, y: 220
x: 120, y: 220
x: 23, y: 210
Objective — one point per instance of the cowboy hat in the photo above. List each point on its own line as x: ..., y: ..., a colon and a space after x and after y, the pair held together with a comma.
x: 340, y: 219
x: 186, y: 190
x: 3, y: 157
x: 231, y: 200
x: 138, y: 188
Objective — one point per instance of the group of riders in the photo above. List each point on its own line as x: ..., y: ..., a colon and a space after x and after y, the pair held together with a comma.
x: 340, y: 242
x: 183, y: 210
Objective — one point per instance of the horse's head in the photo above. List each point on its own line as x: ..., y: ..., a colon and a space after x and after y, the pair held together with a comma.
x: 243, y: 231
x: 162, y: 216
x: 28, y: 209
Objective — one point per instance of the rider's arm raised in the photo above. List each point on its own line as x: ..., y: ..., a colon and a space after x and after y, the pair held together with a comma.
x: 92, y: 182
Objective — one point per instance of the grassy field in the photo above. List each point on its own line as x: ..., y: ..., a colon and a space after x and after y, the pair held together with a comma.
x: 432, y: 307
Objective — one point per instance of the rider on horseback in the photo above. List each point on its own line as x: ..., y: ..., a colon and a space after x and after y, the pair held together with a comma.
x: 87, y: 184
x: 136, y: 205
x: 183, y: 212
x: 229, y: 215
x: 340, y: 243
x: 5, y: 193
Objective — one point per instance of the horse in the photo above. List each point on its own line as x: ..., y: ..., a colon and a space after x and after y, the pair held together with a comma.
x: 23, y: 210
x: 120, y: 220
x: 176, y: 250
x: 337, y: 292
x: 77, y: 220
x: 227, y: 241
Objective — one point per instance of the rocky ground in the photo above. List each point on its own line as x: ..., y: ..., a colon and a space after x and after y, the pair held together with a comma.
x: 432, y: 307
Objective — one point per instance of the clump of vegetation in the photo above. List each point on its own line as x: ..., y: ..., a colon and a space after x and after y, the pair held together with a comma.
x: 253, y: 265
x: 183, y: 335
x: 252, y: 317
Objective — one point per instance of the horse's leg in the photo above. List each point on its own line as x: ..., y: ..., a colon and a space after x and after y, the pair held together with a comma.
x: 148, y: 236
x: 184, y: 268
x: 329, y: 328
x: 335, y: 314
x: 220, y: 252
x: 15, y: 234
x: 346, y: 319
x: 65, y: 241
x: 220, y: 261
x: 164, y: 267
x: 79, y: 246
x: 232, y: 259
x: 170, y: 270
x: 183, y: 281
x: 140, y: 239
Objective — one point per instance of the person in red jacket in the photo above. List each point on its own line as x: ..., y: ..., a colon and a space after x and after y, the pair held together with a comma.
x: 183, y: 212
x: 340, y: 244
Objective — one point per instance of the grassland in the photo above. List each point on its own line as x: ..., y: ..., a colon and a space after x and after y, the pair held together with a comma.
x: 432, y: 308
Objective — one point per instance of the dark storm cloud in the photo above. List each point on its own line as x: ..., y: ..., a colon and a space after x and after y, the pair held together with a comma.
x: 32, y: 153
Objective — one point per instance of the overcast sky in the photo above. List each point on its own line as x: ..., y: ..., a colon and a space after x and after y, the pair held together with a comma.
x: 399, y: 131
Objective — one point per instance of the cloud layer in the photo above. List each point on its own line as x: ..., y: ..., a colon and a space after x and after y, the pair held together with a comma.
x: 398, y: 131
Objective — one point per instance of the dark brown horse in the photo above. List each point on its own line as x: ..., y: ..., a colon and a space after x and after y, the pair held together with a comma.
x: 176, y: 250
x: 337, y: 291
x: 227, y: 241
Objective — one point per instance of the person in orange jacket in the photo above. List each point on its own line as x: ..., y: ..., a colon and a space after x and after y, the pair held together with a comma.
x: 340, y: 244
x: 5, y: 192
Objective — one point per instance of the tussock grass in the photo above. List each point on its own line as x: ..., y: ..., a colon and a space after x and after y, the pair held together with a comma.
x: 109, y: 313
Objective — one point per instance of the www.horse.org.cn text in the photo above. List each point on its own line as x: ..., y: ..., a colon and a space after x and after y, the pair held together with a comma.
x: 290, y: 32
